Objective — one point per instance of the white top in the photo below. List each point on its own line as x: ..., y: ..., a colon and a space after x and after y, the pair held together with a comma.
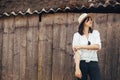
x: 85, y: 54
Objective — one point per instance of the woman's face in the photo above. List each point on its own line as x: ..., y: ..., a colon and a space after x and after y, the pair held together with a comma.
x: 88, y: 22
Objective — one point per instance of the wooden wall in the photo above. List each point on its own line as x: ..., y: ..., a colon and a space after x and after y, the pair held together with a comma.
x: 31, y: 49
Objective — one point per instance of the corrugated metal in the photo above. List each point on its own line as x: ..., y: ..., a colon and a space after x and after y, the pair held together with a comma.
x: 94, y: 6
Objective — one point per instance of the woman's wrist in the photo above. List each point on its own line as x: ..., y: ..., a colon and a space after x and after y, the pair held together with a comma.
x: 77, y: 68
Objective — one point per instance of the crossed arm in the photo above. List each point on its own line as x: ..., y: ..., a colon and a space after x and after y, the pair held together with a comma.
x: 89, y: 47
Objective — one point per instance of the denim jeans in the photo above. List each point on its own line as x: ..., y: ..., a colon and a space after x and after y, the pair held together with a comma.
x: 90, y: 69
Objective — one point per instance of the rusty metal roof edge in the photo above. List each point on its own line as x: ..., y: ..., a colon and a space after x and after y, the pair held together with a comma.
x: 66, y: 9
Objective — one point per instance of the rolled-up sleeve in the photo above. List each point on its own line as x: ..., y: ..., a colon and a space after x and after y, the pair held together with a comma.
x: 75, y: 41
x: 97, y: 39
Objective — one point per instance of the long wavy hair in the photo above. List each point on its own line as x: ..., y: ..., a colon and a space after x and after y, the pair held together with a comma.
x: 81, y: 26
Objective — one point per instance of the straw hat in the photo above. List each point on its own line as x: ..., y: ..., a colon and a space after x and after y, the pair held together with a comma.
x: 83, y: 16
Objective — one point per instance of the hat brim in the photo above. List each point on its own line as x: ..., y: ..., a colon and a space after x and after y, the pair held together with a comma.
x: 89, y: 15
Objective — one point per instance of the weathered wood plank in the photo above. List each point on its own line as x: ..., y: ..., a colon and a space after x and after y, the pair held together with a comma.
x: 0, y: 55
x: 41, y: 49
x: 33, y: 20
x: 100, y: 21
x: 118, y: 66
x: 30, y: 56
x: 62, y: 53
x: 47, y: 56
x: 32, y: 48
x: 108, y: 58
x: 9, y: 24
x: 4, y: 57
x: 16, y: 56
x: 19, y: 52
x: 69, y: 52
x: 56, y: 65
x: 7, y: 57
x: 115, y: 48
x: 1, y: 23
x: 59, y: 31
x: 1, y: 44
x: 1, y: 38
x: 117, y: 30
x: 76, y: 24
x: 20, y: 21
x: 10, y: 57
x: 23, y: 50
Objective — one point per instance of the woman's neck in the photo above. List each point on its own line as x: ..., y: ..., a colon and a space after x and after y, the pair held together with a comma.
x: 86, y: 29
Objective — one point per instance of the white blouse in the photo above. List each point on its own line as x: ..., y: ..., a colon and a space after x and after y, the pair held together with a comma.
x: 85, y: 54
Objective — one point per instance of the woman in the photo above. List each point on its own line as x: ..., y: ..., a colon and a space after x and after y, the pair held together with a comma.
x: 86, y: 43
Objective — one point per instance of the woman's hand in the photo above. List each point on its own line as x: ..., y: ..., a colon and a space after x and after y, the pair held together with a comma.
x: 76, y: 48
x: 78, y: 73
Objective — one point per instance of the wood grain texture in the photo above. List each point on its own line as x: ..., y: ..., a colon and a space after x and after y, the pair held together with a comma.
x: 99, y: 22
x: 8, y: 24
x: 56, y: 55
x: 8, y: 49
x: 41, y: 49
x: 23, y: 52
x: 20, y: 21
x: 47, y: 56
x: 69, y: 52
x: 32, y: 48
x: 1, y: 44
x: 16, y: 56
x: 1, y: 23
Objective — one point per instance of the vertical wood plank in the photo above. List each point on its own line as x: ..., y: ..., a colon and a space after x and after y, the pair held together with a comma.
x: 62, y: 47
x: 20, y: 21
x: 59, y: 47
x: 115, y: 42
x: 23, y: 45
x: 76, y: 23
x: 118, y: 25
x: 30, y: 56
x: 10, y: 57
x: 47, y: 21
x: 1, y: 54
x: 16, y: 56
x: 32, y: 48
x: 19, y: 52
x: 41, y: 50
x: 7, y: 57
x: 69, y: 52
x: 23, y: 50
x: 100, y: 24
x: 108, y: 66
x: 1, y: 23
x: 56, y: 59
x: 9, y: 24
x: 4, y: 57
x: 1, y: 44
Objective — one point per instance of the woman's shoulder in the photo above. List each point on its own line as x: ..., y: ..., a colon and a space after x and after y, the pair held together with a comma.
x: 95, y: 31
x: 77, y: 34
